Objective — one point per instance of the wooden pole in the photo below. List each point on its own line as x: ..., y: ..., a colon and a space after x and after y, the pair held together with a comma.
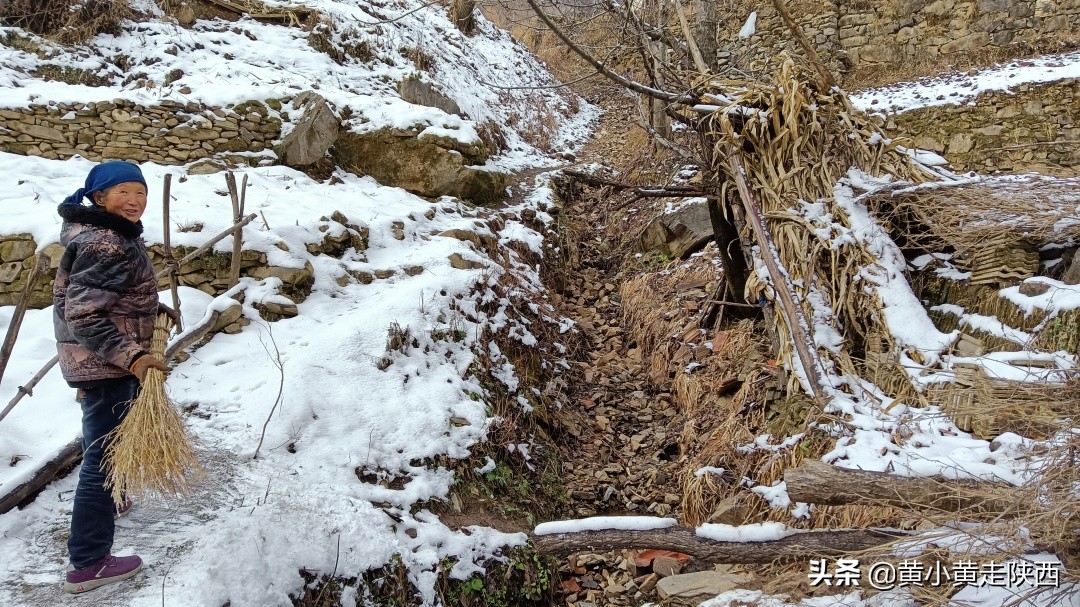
x: 213, y: 241
x: 794, y: 316
x: 798, y: 546
x: 28, y: 389
x: 39, y: 267
x: 804, y: 42
x: 816, y: 482
x: 238, y: 237
x: 170, y: 264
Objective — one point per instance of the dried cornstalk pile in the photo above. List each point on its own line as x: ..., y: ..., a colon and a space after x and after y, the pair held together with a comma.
x: 796, y: 140
x: 971, y: 215
x: 150, y: 450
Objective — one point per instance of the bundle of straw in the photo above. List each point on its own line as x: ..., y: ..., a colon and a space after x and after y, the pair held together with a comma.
x: 149, y: 451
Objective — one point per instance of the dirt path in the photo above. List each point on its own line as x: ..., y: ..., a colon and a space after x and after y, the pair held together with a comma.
x: 624, y: 459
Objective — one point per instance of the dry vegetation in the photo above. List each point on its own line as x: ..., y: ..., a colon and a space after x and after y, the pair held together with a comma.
x: 60, y: 20
x: 150, y: 451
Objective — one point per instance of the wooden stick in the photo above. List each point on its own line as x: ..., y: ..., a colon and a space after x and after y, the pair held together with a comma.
x: 732, y: 303
x: 28, y: 389
x: 238, y: 240
x: 826, y: 542
x: 204, y: 325
x: 804, y: 42
x: 794, y: 316
x: 695, y: 53
x: 169, y: 262
x: 816, y: 482
x: 36, y: 271
x: 199, y: 251
x: 64, y: 460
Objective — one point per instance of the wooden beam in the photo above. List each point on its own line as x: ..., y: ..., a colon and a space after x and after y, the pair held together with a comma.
x: 798, y: 546
x: 68, y: 457
x: 816, y: 482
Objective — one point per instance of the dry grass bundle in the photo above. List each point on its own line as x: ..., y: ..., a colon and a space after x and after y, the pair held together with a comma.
x: 65, y: 21
x: 989, y: 408
x: 150, y: 451
x: 797, y: 139
x: 973, y: 216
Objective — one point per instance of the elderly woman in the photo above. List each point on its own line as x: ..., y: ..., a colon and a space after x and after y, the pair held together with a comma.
x: 105, y: 302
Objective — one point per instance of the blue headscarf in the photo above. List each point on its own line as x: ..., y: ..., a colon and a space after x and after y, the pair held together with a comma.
x: 105, y: 176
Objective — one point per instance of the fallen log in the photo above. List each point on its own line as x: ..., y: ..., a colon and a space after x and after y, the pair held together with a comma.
x: 816, y: 482
x: 804, y: 545
x: 67, y: 458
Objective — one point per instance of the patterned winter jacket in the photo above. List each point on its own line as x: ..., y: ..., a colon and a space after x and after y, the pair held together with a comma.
x: 105, y: 295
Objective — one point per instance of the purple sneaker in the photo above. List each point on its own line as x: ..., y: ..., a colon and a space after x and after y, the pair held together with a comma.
x: 106, y: 571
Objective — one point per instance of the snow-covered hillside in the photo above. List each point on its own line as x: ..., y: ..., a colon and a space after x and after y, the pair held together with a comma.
x: 334, y: 411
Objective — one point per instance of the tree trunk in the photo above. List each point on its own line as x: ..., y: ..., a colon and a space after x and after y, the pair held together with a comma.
x: 799, y: 546
x: 726, y: 236
x: 816, y: 482
x: 705, y: 27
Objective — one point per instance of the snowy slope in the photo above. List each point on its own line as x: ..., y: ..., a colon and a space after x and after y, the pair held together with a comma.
x: 331, y: 414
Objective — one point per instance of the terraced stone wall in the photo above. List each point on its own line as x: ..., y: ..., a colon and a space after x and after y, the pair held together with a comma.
x: 1031, y: 128
x: 170, y: 133
x: 864, y: 35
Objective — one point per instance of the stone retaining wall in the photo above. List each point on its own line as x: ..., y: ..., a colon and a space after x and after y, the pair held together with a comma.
x: 1033, y: 128
x: 208, y: 272
x: 854, y: 34
x: 169, y: 133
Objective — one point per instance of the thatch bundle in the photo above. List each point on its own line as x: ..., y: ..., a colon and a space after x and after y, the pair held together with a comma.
x: 796, y: 140
x: 150, y: 450
x: 972, y: 216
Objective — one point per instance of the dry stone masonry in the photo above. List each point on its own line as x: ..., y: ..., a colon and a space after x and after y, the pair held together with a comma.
x: 170, y: 133
x: 854, y: 34
x: 1033, y: 128
x: 208, y: 272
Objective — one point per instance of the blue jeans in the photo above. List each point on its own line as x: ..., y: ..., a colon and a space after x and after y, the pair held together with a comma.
x: 92, y: 523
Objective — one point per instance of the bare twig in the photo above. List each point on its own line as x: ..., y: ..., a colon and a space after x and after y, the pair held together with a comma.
x: 28, y: 389
x: 633, y: 85
x: 276, y: 359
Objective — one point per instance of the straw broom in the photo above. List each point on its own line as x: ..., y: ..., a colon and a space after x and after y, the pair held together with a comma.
x: 149, y: 451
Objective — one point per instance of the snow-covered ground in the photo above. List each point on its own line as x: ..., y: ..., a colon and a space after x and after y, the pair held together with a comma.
x: 957, y: 88
x: 333, y: 413
x: 333, y: 410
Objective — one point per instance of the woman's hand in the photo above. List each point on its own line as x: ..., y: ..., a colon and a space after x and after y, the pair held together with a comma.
x: 146, y: 362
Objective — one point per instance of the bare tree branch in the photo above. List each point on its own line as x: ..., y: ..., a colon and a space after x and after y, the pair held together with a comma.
x: 635, y: 86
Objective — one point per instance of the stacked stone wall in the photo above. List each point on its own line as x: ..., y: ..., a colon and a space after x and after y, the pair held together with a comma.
x: 1031, y: 128
x: 208, y: 272
x: 170, y: 133
x: 857, y: 35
